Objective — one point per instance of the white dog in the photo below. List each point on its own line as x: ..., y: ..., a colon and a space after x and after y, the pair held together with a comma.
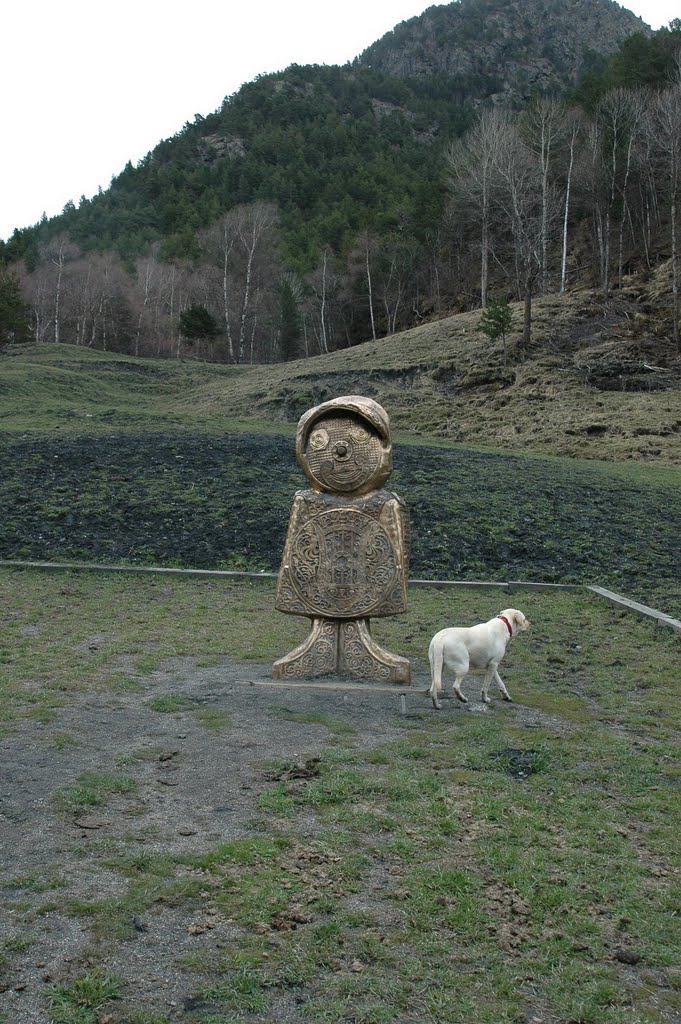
x: 479, y: 647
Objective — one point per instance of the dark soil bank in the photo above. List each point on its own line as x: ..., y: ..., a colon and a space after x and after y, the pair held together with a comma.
x: 223, y: 502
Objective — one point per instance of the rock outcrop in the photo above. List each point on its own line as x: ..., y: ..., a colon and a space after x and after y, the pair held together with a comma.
x: 505, y: 49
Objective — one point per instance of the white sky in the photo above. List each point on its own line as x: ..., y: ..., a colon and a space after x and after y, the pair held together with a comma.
x: 87, y: 86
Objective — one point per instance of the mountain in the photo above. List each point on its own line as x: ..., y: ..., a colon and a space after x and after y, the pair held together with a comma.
x: 319, y: 206
x: 508, y: 51
x: 354, y: 138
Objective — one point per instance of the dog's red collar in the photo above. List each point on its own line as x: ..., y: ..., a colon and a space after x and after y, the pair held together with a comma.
x: 507, y: 623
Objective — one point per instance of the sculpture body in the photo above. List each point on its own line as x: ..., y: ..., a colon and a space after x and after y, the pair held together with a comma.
x: 347, y: 549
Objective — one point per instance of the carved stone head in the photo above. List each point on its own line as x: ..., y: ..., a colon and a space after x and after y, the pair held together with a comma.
x: 343, y: 446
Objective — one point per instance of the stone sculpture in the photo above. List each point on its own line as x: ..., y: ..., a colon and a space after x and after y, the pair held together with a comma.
x: 347, y: 550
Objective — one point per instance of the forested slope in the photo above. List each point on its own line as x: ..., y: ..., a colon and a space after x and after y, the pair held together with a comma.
x: 325, y: 206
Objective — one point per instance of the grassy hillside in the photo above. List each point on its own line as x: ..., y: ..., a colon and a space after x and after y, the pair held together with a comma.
x: 599, y: 382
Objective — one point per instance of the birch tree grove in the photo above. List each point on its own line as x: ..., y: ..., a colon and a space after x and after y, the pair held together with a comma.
x: 507, y: 183
x: 535, y: 183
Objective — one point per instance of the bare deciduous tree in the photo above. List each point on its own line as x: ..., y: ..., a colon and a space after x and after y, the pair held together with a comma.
x: 667, y: 120
x: 574, y: 129
x: 543, y: 126
x: 520, y: 196
x: 319, y: 308
x: 241, y: 249
x: 59, y: 251
x: 473, y: 177
x: 253, y: 226
x: 218, y: 244
x: 619, y: 113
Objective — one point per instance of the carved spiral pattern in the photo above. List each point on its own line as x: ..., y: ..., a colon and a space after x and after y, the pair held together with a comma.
x: 358, y: 661
x: 318, y: 656
x: 342, y: 564
x: 342, y: 454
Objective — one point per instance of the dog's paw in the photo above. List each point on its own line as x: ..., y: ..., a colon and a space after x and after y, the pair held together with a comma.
x: 464, y: 700
x: 507, y: 697
x: 434, y: 694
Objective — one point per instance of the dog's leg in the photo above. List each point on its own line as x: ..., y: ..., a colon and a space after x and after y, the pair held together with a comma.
x: 489, y: 676
x: 457, y: 688
x: 433, y: 696
x: 504, y: 692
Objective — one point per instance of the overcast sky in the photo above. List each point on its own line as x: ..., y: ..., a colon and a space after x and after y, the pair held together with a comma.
x: 86, y: 87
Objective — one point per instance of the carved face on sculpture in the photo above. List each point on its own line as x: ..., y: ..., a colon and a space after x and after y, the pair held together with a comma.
x: 344, y: 446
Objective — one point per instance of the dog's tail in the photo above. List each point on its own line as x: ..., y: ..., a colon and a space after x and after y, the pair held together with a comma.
x: 436, y: 658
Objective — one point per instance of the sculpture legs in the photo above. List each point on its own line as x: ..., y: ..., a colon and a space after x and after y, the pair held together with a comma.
x: 316, y: 656
x: 342, y: 647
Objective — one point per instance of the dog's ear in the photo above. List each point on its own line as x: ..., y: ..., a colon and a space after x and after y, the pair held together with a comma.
x: 520, y: 620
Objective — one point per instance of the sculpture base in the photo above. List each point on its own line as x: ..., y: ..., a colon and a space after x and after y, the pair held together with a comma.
x: 342, y: 647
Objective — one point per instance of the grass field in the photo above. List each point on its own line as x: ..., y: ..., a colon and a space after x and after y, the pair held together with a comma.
x: 186, y: 847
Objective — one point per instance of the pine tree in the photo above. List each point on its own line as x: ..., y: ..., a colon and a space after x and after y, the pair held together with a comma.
x: 496, y: 321
x: 198, y: 322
